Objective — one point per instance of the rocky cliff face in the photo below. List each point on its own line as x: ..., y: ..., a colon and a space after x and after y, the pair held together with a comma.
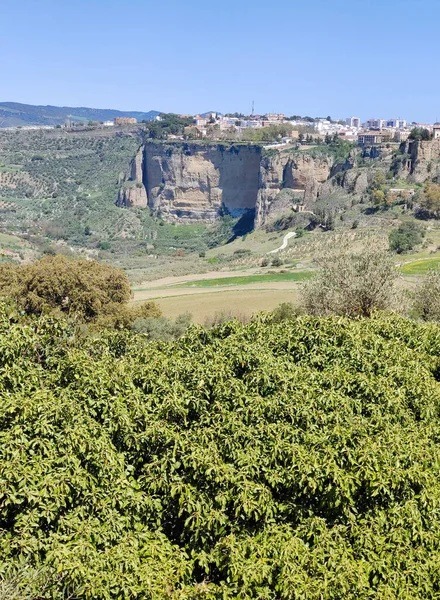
x: 424, y: 160
x: 132, y: 191
x: 197, y: 181
x: 132, y: 194
x: 193, y: 182
x: 302, y: 174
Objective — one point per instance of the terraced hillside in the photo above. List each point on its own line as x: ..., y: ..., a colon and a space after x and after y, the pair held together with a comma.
x: 64, y: 181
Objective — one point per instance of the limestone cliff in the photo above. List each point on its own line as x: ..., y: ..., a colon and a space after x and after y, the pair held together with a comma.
x: 132, y: 191
x: 299, y: 172
x: 185, y: 182
x: 424, y: 160
x: 190, y: 182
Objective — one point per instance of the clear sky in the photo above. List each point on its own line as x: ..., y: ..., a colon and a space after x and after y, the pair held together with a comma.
x: 310, y: 57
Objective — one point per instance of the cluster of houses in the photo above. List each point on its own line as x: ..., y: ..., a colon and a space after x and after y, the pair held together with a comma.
x: 201, y: 123
x: 380, y: 131
x: 372, y: 131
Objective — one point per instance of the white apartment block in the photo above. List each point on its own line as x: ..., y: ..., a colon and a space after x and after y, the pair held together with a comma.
x: 353, y: 122
x: 396, y: 123
x: 376, y: 123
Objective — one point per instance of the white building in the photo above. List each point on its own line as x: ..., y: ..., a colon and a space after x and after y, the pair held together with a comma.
x: 396, y: 123
x: 275, y: 117
x: 353, y: 122
x: 376, y: 123
x: 250, y: 123
x: 200, y: 121
x: 108, y: 124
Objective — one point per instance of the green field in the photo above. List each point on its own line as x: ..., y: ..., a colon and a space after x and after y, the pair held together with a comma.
x: 248, y: 279
x: 420, y: 267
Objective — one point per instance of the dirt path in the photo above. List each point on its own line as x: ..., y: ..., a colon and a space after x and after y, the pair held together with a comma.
x: 286, y: 239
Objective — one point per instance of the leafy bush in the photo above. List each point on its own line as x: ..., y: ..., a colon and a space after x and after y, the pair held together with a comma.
x: 284, y: 311
x: 427, y: 297
x: 225, y: 316
x: 124, y: 316
x: 430, y: 199
x: 351, y: 284
x: 406, y: 237
x: 420, y: 134
x: 83, y: 288
x: 161, y: 328
x: 275, y: 461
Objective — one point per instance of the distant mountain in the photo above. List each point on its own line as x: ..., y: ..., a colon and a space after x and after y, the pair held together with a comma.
x: 13, y: 114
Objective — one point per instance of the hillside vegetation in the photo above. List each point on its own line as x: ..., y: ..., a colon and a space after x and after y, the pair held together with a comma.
x: 271, y: 460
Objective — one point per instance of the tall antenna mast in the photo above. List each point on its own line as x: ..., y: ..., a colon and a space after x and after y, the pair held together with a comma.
x: 253, y: 108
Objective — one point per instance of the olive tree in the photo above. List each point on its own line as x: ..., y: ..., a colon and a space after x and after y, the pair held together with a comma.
x: 427, y: 297
x: 351, y: 284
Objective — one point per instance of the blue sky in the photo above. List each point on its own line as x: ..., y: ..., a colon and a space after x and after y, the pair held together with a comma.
x: 315, y: 57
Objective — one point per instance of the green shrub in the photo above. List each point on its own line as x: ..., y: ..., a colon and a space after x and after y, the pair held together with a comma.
x: 426, y: 299
x: 284, y: 311
x: 406, y: 237
x: 351, y: 284
x: 270, y: 460
x: 161, y: 328
x: 84, y: 288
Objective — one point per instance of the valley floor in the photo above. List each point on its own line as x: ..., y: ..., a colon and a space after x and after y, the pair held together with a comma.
x: 239, y: 293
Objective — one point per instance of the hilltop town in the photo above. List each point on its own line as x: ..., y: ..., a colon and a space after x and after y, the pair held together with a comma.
x: 272, y: 128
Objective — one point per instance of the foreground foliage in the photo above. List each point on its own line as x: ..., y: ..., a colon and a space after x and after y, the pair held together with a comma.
x: 83, y: 289
x: 273, y: 460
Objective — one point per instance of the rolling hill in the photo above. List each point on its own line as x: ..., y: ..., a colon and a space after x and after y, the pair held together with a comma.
x: 14, y: 114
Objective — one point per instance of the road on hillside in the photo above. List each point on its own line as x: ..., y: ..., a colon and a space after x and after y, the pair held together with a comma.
x: 286, y: 238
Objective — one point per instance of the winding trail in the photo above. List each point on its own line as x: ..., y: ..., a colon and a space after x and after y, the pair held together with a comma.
x: 286, y: 238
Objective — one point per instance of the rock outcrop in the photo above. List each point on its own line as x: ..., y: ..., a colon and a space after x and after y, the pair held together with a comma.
x: 132, y: 192
x: 186, y: 182
x: 200, y: 181
x: 424, y: 160
x: 299, y: 172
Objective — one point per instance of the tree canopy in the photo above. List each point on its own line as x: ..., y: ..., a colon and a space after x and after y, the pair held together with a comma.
x: 87, y: 289
x: 406, y: 237
x: 167, y: 123
x: 420, y: 134
x: 271, y: 460
x: 353, y: 284
x: 430, y: 199
x: 84, y: 287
